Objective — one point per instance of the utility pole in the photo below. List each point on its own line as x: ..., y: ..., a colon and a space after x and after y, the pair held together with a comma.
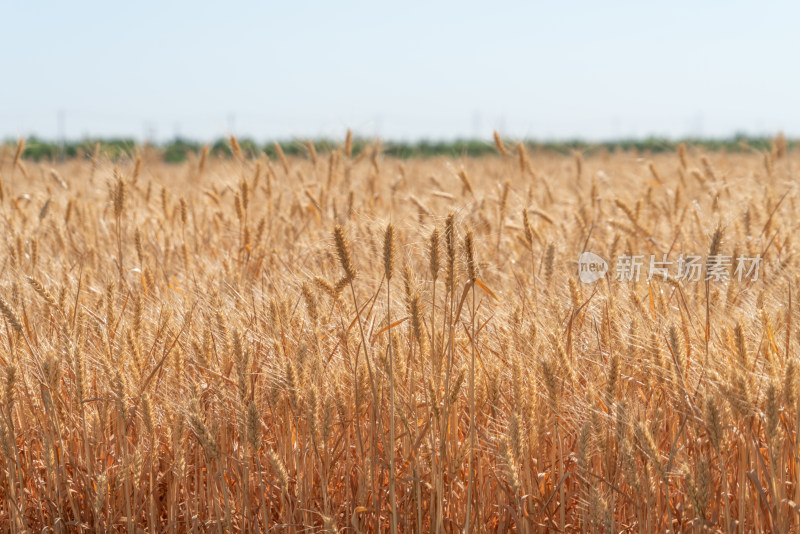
x: 477, y: 125
x: 62, y: 136
x: 149, y: 130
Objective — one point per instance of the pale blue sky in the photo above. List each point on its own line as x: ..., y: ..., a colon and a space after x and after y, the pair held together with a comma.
x: 410, y: 70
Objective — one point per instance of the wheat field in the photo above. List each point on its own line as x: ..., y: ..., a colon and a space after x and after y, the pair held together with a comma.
x: 355, y: 343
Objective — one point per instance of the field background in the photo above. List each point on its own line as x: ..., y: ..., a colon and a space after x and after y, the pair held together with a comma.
x: 186, y: 347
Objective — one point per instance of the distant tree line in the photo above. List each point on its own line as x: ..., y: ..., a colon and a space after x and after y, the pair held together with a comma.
x: 178, y: 150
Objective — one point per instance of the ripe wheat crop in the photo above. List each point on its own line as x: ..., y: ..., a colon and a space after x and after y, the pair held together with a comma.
x: 354, y: 343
